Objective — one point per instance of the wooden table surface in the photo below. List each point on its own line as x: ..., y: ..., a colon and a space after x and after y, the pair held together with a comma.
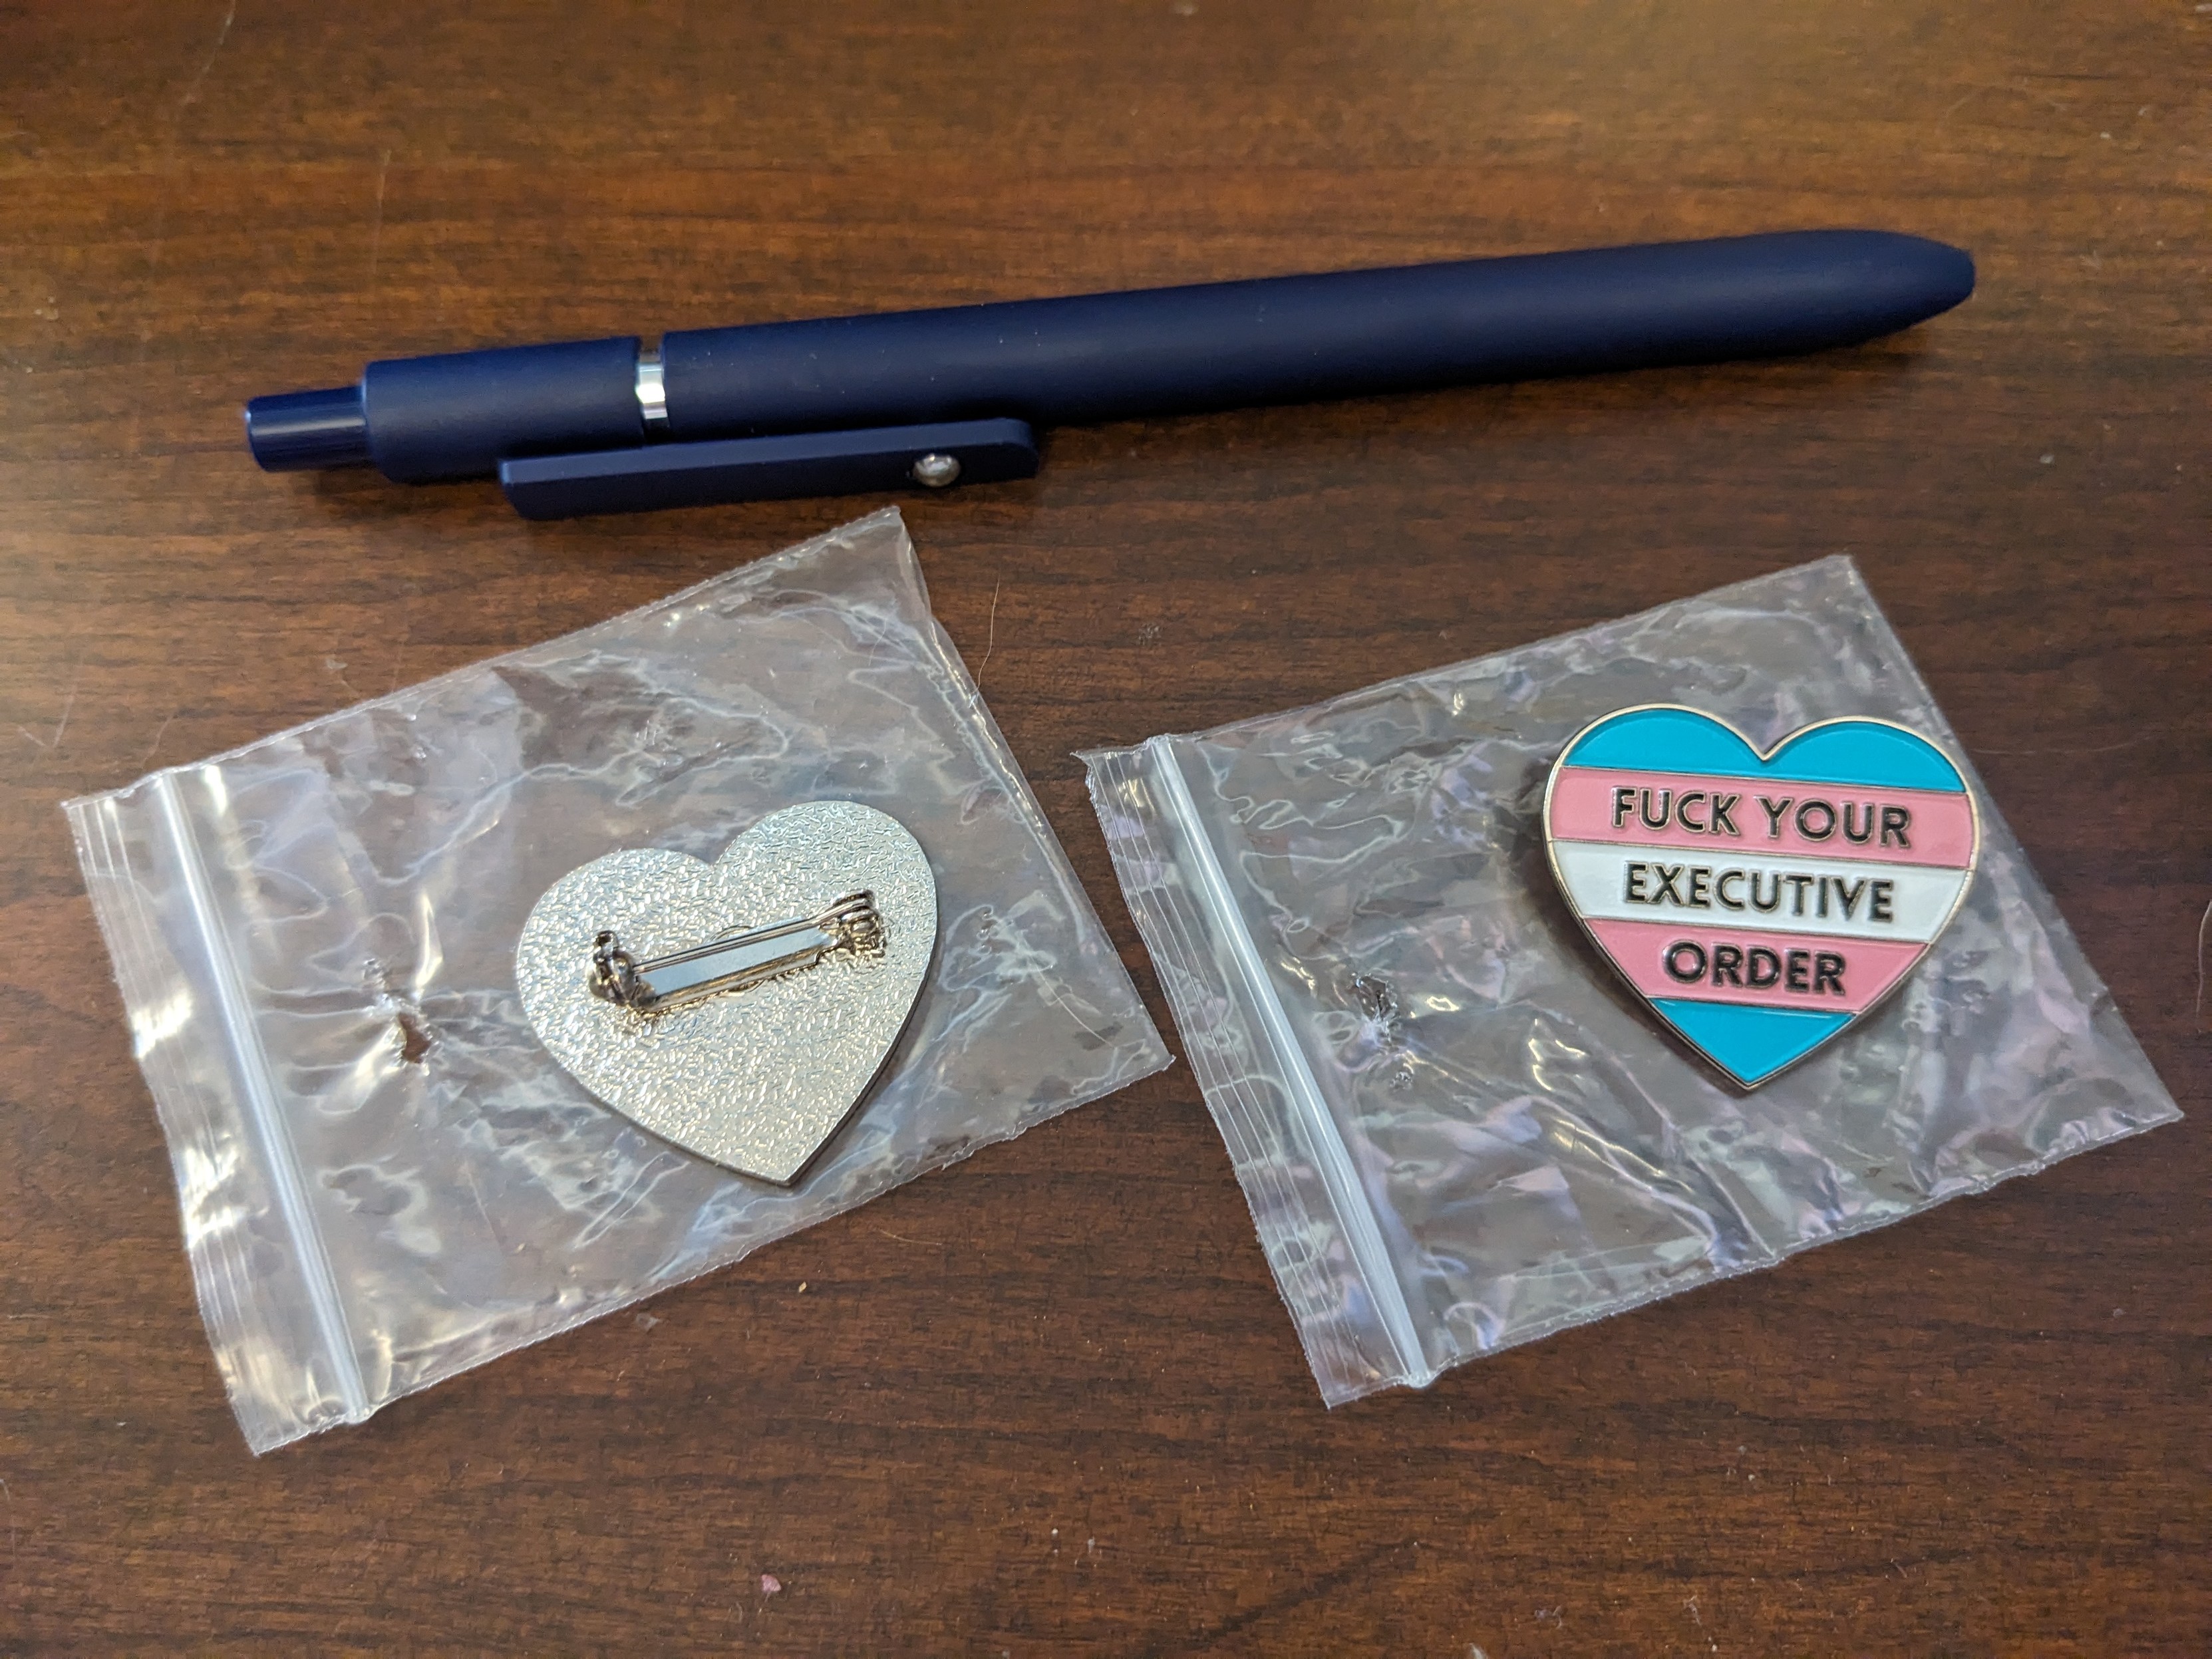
x: 1048, y: 1401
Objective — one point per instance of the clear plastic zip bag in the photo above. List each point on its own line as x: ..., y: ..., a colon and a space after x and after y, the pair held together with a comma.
x: 1456, y: 1129
x: 385, y: 1178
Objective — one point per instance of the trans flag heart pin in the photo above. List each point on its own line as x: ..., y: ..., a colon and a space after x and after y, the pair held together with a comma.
x: 1761, y: 903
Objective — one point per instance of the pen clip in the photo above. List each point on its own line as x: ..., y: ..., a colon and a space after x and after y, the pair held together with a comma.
x: 656, y: 474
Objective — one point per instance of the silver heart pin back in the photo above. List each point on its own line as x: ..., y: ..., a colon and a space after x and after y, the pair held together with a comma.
x: 740, y: 1009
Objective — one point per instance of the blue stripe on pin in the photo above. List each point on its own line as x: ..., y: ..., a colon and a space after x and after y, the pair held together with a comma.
x: 1856, y: 754
x: 1750, y: 1043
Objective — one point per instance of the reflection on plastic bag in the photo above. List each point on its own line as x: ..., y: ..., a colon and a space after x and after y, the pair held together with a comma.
x: 385, y: 1178
x: 1456, y: 1129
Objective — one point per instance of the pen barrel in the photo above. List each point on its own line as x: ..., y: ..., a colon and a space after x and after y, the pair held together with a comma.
x: 1106, y: 356
x: 461, y: 414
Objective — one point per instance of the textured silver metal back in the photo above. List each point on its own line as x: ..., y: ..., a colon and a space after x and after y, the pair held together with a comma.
x: 757, y: 1080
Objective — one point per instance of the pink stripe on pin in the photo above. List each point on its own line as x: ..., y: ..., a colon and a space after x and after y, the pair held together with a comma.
x: 1691, y: 813
x: 1774, y: 971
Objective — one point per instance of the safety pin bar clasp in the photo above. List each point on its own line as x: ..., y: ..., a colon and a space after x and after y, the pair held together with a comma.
x: 735, y: 961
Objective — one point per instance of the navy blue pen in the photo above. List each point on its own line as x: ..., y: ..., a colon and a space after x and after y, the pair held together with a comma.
x: 933, y: 397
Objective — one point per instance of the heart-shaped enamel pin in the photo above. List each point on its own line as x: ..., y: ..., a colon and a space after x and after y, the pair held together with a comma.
x: 739, y: 1009
x: 1761, y: 903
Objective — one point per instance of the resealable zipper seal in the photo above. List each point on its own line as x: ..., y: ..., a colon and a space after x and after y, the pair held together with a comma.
x: 264, y: 1280
x: 1300, y: 1177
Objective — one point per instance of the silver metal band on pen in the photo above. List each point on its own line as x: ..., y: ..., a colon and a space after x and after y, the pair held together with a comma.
x: 651, y: 393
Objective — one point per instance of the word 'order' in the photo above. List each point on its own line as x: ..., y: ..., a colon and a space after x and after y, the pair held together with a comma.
x: 1755, y: 968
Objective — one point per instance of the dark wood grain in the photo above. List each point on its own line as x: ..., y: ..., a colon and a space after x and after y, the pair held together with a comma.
x: 1048, y: 1401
